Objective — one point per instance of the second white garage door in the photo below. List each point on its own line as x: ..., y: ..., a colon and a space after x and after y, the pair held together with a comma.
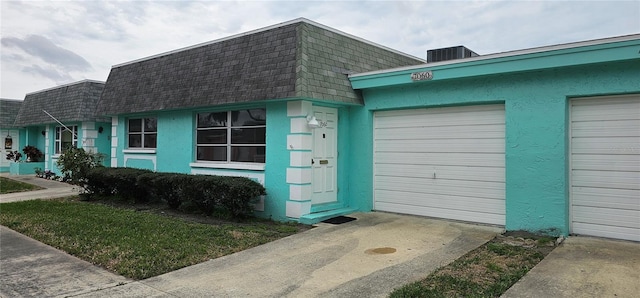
x: 441, y: 162
x: 605, y: 167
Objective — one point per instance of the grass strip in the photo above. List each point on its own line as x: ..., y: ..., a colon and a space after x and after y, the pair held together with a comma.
x: 10, y: 186
x: 131, y: 243
x: 487, y: 271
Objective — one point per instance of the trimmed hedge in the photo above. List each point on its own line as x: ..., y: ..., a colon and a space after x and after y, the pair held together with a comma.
x: 207, y: 193
x: 118, y: 181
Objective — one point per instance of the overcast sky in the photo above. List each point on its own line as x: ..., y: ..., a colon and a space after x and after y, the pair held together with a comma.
x: 45, y: 44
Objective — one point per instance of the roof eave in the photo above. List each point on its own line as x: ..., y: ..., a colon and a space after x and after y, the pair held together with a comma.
x: 581, y: 53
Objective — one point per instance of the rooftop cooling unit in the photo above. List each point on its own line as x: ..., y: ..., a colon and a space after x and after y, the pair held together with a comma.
x: 452, y: 53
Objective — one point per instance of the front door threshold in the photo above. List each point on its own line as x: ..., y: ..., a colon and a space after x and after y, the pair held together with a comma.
x: 314, y: 218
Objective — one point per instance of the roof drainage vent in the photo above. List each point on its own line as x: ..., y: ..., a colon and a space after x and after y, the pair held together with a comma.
x: 451, y: 53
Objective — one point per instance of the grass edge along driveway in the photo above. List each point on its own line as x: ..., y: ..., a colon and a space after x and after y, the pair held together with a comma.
x: 10, y: 186
x: 132, y: 243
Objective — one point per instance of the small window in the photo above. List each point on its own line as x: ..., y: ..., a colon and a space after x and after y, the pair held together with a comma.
x: 235, y: 136
x: 143, y: 132
x: 66, y: 137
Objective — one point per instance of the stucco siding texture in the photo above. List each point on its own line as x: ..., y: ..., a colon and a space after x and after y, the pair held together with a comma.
x: 8, y: 110
x: 298, y: 60
x: 73, y: 102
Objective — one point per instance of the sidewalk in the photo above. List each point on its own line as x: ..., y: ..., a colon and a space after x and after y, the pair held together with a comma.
x: 52, y: 189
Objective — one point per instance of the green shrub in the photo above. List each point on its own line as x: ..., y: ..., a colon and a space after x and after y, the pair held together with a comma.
x: 207, y: 194
x: 97, y: 183
x: 162, y: 187
x: 75, y: 164
x: 118, y: 181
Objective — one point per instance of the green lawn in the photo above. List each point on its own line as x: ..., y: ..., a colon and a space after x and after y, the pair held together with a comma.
x: 135, y: 244
x: 8, y: 186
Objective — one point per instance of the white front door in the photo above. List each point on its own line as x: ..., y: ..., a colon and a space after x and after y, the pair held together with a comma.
x: 324, y: 161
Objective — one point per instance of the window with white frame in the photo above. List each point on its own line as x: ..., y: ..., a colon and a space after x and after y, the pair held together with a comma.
x: 234, y: 136
x: 143, y: 133
x: 66, y: 137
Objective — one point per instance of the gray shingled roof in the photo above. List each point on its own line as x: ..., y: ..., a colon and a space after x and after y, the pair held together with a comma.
x: 298, y: 59
x: 72, y: 102
x: 8, y: 110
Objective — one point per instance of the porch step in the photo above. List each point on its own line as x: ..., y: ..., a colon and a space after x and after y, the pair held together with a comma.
x: 315, y: 218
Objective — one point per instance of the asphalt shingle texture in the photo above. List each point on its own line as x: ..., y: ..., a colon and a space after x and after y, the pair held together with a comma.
x: 73, y: 102
x: 296, y: 60
x: 8, y: 111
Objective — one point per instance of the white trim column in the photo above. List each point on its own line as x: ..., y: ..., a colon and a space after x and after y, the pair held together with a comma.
x: 299, y: 144
x: 47, y: 149
x: 114, y: 141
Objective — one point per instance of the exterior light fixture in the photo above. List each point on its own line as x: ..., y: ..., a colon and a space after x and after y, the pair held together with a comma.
x: 312, y: 122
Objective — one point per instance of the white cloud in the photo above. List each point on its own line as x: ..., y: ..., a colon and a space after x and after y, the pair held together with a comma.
x: 105, y: 33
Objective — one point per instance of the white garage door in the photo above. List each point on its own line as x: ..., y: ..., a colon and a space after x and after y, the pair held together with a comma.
x: 605, y: 167
x: 441, y: 162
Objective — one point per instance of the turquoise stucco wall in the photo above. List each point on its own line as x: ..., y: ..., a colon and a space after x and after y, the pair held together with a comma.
x: 277, y: 161
x: 175, y: 147
x: 536, y: 107
x: 103, y: 141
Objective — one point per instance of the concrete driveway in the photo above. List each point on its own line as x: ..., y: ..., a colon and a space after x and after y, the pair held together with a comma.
x: 368, y: 257
x: 584, y: 267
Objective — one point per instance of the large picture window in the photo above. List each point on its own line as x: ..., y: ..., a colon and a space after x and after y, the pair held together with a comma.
x: 66, y: 138
x: 235, y: 136
x: 143, y: 132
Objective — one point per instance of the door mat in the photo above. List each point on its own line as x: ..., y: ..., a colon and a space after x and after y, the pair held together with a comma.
x: 338, y: 220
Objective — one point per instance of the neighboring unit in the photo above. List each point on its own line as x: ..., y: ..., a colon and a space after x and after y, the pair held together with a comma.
x: 10, y: 134
x: 58, y: 118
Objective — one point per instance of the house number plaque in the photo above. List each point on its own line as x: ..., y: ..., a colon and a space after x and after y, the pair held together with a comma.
x: 422, y: 76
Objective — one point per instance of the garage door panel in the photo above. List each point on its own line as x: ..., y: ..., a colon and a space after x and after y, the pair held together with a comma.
x: 490, y: 113
x: 606, y: 231
x: 605, y: 145
x: 451, y: 132
x: 444, y: 172
x: 437, y: 121
x: 607, y: 216
x: 479, y: 189
x: 605, y: 166
x: 441, y: 158
x: 462, y: 146
x: 585, y: 111
x: 606, y: 179
x: 442, y: 146
x: 615, y: 162
x: 607, y: 198
x: 444, y: 201
x: 617, y: 128
x: 489, y: 218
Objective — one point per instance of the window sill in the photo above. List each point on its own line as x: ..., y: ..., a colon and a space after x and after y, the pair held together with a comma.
x: 139, y: 151
x: 232, y: 166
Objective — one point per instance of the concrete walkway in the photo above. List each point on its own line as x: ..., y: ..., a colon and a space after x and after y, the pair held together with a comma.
x: 584, y: 267
x: 29, y: 268
x: 52, y: 189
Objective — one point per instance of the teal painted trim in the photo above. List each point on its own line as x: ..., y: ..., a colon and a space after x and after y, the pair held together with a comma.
x: 4, y: 169
x: 580, y: 56
x: 326, y: 207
